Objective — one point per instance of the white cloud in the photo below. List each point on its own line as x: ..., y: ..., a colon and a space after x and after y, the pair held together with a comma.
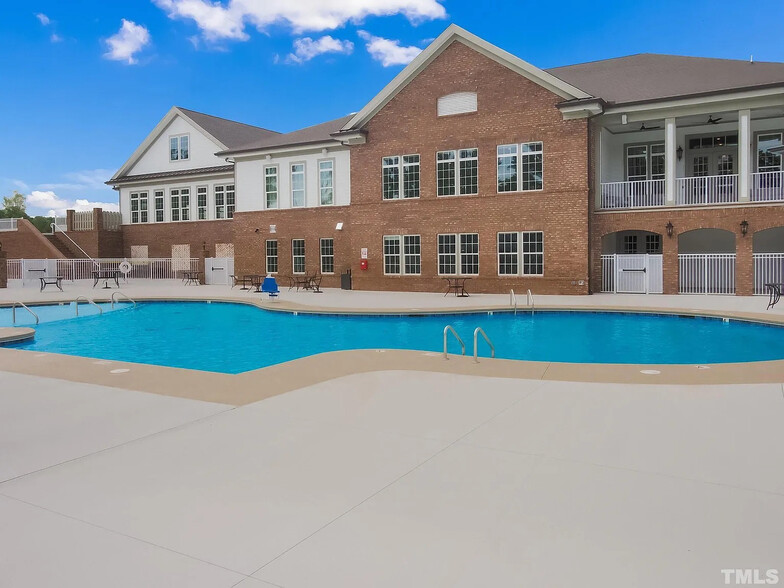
x: 388, y: 51
x: 306, y: 48
x: 43, y: 19
x: 55, y: 38
x: 50, y: 204
x: 129, y: 40
x: 227, y: 20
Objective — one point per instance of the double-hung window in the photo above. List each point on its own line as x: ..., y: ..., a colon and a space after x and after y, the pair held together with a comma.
x: 298, y: 256
x: 630, y: 243
x: 180, y: 203
x: 521, y: 253
x: 297, y: 185
x: 458, y: 254
x: 520, y: 167
x: 138, y: 207
x: 768, y: 161
x: 645, y: 162
x: 395, y: 167
x: 178, y: 148
x: 224, y: 201
x: 457, y: 172
x: 271, y: 186
x: 326, y: 182
x: 201, y: 202
x: 272, y: 256
x: 402, y: 254
x: 159, y: 203
x: 327, y: 251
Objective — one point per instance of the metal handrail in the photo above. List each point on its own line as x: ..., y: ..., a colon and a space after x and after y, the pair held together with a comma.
x: 490, y: 343
x: 124, y: 296
x: 87, y: 255
x: 529, y: 299
x: 23, y: 305
x: 88, y: 301
x: 513, y: 300
x: 447, y: 329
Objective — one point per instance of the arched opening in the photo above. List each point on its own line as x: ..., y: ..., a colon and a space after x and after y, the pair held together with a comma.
x: 706, y: 262
x: 632, y: 262
x: 768, y: 250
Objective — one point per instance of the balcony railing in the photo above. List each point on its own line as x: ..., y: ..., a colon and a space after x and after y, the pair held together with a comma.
x: 635, y: 194
x: 706, y: 273
x: 767, y: 186
x: 8, y: 224
x: 706, y: 190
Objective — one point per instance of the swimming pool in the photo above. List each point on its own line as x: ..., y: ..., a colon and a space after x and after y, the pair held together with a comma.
x: 233, y: 338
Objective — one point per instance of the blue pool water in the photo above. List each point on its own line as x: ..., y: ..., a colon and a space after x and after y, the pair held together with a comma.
x: 233, y: 338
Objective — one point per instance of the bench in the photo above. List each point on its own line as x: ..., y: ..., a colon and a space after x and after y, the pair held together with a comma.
x: 51, y: 281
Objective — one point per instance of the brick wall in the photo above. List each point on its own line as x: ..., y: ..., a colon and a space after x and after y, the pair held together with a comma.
x: 27, y: 242
x: 159, y: 237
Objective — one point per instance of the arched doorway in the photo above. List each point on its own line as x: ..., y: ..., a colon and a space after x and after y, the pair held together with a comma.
x: 632, y: 262
x: 706, y: 262
x: 768, y: 253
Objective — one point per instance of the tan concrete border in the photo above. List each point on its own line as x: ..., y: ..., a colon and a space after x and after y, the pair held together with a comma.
x: 247, y: 387
x: 14, y: 334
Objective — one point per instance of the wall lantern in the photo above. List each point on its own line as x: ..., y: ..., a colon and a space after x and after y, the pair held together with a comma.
x: 744, y: 227
x: 669, y: 228
x: 679, y: 152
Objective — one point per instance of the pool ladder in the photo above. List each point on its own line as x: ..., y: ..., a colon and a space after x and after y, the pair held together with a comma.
x: 529, y: 300
x: 478, y: 331
x: 88, y: 301
x: 23, y: 305
x: 118, y: 293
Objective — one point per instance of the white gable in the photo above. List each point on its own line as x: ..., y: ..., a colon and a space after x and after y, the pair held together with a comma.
x: 156, y: 158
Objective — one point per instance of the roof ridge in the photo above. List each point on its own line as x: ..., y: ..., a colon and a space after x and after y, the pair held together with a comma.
x: 734, y: 60
x: 236, y: 122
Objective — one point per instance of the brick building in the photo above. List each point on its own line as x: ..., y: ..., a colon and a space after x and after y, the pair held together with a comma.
x: 647, y: 173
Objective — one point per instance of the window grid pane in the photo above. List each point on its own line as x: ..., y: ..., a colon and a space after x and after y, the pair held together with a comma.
x: 412, y: 254
x: 507, y: 254
x: 326, y: 179
x: 272, y: 256
x: 220, y: 202
x: 159, y: 206
x: 271, y: 186
x: 447, y: 254
x: 469, y: 171
x: 201, y: 202
x: 469, y: 254
x: 445, y: 173
x: 327, y: 247
x: 392, y: 255
x: 411, y: 176
x: 531, y: 166
x: 230, y: 201
x: 297, y: 184
x: 533, y: 253
x: 507, y: 168
x: 390, y: 178
x: 298, y: 256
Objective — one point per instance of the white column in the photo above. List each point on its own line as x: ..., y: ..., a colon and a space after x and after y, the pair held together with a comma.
x: 744, y: 155
x: 669, y: 160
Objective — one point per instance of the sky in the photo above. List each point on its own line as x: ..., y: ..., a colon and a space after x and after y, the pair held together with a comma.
x: 85, y: 81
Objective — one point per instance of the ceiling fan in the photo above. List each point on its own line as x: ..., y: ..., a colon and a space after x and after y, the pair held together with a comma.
x: 713, y: 121
x: 644, y: 128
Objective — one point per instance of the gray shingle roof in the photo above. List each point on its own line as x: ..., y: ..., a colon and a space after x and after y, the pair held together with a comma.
x: 230, y: 133
x: 173, y: 174
x: 314, y: 134
x: 650, y: 76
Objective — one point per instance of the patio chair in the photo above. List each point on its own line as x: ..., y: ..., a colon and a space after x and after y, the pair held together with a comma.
x: 315, y: 283
x: 270, y: 286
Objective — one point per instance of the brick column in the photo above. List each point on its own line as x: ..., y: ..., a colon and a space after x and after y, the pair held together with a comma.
x: 203, y: 253
x: 3, y: 269
x: 69, y: 220
x: 744, y: 264
x: 97, y: 219
x: 670, y: 263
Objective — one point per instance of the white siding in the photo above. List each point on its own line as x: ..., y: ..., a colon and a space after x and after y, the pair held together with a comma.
x: 457, y: 103
x: 249, y: 174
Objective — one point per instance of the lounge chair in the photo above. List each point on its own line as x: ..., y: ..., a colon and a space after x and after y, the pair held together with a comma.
x: 270, y: 286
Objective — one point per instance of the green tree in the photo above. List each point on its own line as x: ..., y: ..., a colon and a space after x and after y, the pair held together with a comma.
x: 15, y: 206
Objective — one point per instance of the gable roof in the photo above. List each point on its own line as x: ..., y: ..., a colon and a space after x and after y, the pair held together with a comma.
x: 319, y: 133
x: 221, y: 131
x: 647, y: 77
x: 453, y: 33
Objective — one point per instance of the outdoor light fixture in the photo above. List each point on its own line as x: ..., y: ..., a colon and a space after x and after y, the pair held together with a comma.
x: 256, y: 231
x: 679, y: 152
x: 273, y: 228
x: 744, y: 227
x: 669, y: 228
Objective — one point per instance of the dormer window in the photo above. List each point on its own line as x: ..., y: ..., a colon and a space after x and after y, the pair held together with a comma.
x: 178, y: 147
x: 457, y: 103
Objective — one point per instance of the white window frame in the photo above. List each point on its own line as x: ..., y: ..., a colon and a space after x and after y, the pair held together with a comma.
x: 402, y: 254
x: 294, y: 257
x: 224, y: 210
x: 456, y: 160
x: 159, y: 194
x: 401, y: 164
x: 176, y: 154
x: 458, y: 254
x: 141, y: 201
x: 523, y: 253
x: 392, y: 256
x: 455, y: 253
x: 514, y: 256
x: 304, y: 183
x: 202, y: 212
x: 520, y: 254
x: 180, y: 213
x: 267, y: 192
x: 268, y: 256
x: 521, y: 156
x: 769, y: 168
x: 406, y: 243
x: 331, y: 255
x: 331, y: 186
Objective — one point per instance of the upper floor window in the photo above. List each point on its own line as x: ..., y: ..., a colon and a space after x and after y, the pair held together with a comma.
x: 457, y: 172
x: 201, y: 202
x: 178, y: 147
x: 395, y: 167
x: 520, y: 167
x: 159, y: 203
x: 457, y: 103
x: 326, y: 182
x: 180, y: 203
x: 645, y: 162
x: 224, y: 201
x: 767, y: 161
x: 138, y: 207
x: 271, y: 186
x: 297, y: 185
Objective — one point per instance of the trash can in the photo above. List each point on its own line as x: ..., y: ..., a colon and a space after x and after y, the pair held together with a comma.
x: 345, y: 280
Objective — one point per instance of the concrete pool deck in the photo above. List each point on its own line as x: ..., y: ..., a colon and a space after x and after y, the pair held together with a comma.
x: 389, y: 468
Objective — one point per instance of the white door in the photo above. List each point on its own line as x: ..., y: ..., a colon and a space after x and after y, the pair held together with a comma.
x: 218, y: 269
x: 638, y: 274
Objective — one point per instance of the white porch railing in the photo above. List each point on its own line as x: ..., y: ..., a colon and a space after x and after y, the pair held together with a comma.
x: 635, y: 194
x: 164, y: 268
x: 768, y: 269
x: 8, y: 224
x: 706, y: 273
x: 767, y: 186
x: 706, y: 190
x: 608, y: 273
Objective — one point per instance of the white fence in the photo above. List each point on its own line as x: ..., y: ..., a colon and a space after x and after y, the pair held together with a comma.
x: 635, y: 194
x: 164, y: 268
x: 768, y: 269
x: 8, y: 224
x: 85, y: 221
x: 632, y: 273
x: 706, y: 273
x: 767, y: 186
x: 707, y: 190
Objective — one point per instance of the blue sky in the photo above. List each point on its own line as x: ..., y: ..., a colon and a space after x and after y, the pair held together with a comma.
x: 84, y: 81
